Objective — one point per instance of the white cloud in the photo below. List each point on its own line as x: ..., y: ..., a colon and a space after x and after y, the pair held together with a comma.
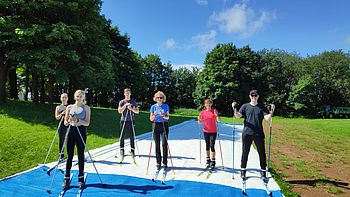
x: 347, y: 40
x: 202, y: 2
x: 205, y: 42
x: 241, y: 20
x: 169, y: 43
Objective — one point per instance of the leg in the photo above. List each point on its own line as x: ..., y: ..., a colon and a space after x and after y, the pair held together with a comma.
x: 207, y: 147
x: 165, y: 143
x: 70, y: 150
x: 62, y: 134
x: 246, y: 143
x: 81, y: 148
x: 130, y: 132
x: 259, y: 142
x: 122, y: 137
x: 156, y: 136
x: 212, y: 148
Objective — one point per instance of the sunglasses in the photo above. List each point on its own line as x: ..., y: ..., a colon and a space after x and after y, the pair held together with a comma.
x: 254, y: 95
x: 159, y: 97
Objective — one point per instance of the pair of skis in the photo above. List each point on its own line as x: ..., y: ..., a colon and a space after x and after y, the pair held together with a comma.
x: 208, y: 169
x: 154, y: 179
x: 244, y: 187
x: 81, y: 187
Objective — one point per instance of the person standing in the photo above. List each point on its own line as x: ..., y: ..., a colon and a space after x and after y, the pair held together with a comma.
x: 210, y: 117
x: 77, y: 117
x: 253, y: 114
x: 62, y: 129
x: 128, y: 108
x: 159, y: 114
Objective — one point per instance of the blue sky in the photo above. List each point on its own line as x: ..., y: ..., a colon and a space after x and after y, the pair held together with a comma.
x: 183, y: 31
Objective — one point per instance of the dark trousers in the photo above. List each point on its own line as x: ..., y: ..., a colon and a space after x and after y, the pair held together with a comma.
x: 62, y: 130
x: 74, y: 139
x: 126, y: 132
x: 210, y: 141
x: 161, y: 130
x: 259, y: 143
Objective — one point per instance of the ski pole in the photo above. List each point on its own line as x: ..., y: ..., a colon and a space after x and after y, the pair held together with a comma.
x: 133, y: 130
x: 222, y: 160
x: 64, y: 144
x: 48, y: 152
x: 200, y: 143
x: 122, y: 132
x: 166, y: 141
x: 150, y: 148
x: 233, y: 139
x: 272, y: 109
x: 93, y: 162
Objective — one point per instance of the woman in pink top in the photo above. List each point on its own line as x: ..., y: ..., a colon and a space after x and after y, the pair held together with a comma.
x: 210, y: 117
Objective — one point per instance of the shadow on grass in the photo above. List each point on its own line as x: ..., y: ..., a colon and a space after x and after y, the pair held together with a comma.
x: 320, y: 181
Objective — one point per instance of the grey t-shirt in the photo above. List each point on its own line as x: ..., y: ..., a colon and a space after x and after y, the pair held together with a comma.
x: 127, y: 115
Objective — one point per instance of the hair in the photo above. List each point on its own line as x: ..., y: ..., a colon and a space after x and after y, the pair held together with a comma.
x: 159, y: 94
x: 81, y: 92
x: 207, y: 100
x: 127, y: 90
x: 64, y: 94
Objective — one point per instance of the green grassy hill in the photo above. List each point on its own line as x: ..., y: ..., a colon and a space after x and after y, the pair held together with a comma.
x: 27, y: 130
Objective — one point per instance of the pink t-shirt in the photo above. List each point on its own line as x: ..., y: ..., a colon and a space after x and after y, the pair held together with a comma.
x: 209, y: 119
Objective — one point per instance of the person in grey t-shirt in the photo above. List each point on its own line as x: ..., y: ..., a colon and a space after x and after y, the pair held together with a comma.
x: 127, y: 108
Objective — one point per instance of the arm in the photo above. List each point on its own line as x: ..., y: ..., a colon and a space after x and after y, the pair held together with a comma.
x: 235, y: 113
x: 85, y: 122
x: 217, y: 116
x: 166, y: 117
x: 67, y: 116
x: 121, y: 109
x: 58, y: 115
x: 134, y: 109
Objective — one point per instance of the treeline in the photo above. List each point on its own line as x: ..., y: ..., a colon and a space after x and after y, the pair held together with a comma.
x: 50, y: 47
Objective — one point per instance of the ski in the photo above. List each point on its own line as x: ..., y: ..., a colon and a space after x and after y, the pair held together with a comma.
x: 267, y: 188
x: 203, y: 171
x: 67, y: 186
x: 48, y: 171
x: 164, y: 176
x: 244, y: 184
x: 210, y: 172
x: 82, y: 187
x: 154, y: 179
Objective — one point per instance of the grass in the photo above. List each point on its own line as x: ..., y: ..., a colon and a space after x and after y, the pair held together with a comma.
x: 315, y: 144
x: 27, y: 130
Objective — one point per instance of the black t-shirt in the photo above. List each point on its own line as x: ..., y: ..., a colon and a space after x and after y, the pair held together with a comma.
x: 253, y: 117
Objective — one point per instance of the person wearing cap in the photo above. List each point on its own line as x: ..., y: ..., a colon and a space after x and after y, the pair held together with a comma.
x: 253, y: 114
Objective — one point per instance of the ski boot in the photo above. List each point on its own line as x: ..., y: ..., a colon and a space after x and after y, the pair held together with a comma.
x: 81, y: 182
x: 207, y: 164
x: 243, y: 175
x: 65, y: 183
x: 132, y: 152
x: 212, y: 164
x: 158, y: 166
x: 122, y: 155
x: 263, y: 176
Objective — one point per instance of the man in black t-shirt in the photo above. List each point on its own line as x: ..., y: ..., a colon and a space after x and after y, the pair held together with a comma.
x: 253, y: 114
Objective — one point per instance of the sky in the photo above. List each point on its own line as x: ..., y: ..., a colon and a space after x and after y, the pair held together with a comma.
x: 182, y: 32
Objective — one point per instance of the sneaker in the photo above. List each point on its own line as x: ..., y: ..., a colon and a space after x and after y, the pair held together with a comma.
x: 65, y: 183
x: 81, y: 182
x: 207, y: 164
x: 158, y: 166
x: 243, y: 175
x: 263, y: 176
